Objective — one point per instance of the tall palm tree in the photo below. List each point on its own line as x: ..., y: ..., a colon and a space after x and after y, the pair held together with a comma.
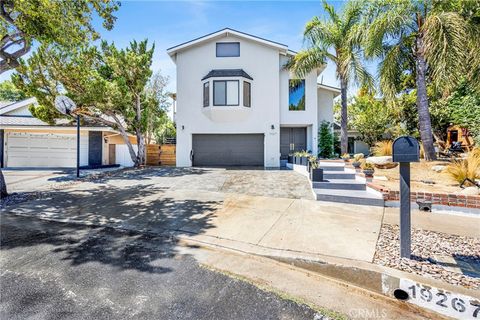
x: 336, y: 39
x: 435, y: 41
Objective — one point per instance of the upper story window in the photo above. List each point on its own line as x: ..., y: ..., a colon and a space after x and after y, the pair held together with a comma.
x: 228, y: 49
x: 206, y: 94
x: 226, y: 93
x: 247, y: 97
x: 296, y: 94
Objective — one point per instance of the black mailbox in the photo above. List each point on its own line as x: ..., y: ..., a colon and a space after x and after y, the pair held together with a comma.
x: 406, y: 149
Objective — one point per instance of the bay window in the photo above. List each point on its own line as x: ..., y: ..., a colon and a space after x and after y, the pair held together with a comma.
x: 226, y: 93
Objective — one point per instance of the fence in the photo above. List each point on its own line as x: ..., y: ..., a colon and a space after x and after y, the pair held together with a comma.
x: 161, y: 154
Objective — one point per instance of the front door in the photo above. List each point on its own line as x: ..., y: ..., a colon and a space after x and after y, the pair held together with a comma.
x: 292, y: 140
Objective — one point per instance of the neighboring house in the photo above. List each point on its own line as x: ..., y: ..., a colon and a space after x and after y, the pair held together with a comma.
x: 26, y: 141
x: 237, y: 105
x: 355, y: 143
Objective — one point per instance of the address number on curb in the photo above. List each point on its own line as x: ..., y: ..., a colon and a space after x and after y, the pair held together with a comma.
x: 451, y: 304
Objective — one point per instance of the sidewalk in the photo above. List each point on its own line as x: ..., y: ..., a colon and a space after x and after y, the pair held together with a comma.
x: 296, y: 225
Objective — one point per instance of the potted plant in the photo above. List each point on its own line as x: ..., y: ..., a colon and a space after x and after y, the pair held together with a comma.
x: 304, y: 158
x: 311, y: 160
x: 316, y: 174
x: 357, y: 160
x: 368, y: 169
x: 291, y: 158
x: 345, y: 157
x: 297, y: 157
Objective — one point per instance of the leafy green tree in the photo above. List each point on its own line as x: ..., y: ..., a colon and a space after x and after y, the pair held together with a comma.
x: 463, y: 106
x: 107, y: 84
x: 8, y: 92
x: 67, y: 23
x: 166, y: 129
x: 325, y: 140
x: 438, y: 42
x: 335, y: 39
x: 371, y: 117
x: 155, y: 116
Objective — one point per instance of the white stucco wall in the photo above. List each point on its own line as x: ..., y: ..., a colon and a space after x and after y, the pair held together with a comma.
x: 306, y: 118
x: 261, y: 63
x: 269, y: 97
x: 325, y: 105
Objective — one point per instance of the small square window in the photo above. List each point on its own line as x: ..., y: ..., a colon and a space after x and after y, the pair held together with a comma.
x: 246, y: 94
x: 228, y: 49
x: 206, y: 94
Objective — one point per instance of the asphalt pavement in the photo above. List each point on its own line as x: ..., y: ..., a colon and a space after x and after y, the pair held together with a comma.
x: 53, y: 270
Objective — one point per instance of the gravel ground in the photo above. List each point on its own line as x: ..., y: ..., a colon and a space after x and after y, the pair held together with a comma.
x: 427, y: 246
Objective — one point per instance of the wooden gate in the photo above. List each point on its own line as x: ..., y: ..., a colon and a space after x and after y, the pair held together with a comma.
x: 161, y: 155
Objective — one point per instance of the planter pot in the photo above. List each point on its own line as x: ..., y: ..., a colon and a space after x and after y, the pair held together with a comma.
x: 356, y: 164
x: 290, y: 159
x: 303, y: 161
x: 297, y: 160
x: 316, y: 175
x: 368, y: 172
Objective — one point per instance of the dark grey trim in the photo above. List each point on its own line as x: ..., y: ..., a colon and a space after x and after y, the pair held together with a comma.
x: 95, y: 148
x: 15, y: 115
x: 226, y: 93
x: 2, y: 144
x: 249, y: 94
x: 228, y: 42
x: 223, y: 73
x: 225, y: 29
x: 206, y: 102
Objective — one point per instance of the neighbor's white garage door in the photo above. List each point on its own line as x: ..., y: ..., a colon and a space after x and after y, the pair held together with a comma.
x: 43, y: 150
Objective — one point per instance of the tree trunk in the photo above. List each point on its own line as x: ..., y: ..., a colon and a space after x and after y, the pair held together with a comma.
x: 3, y: 186
x: 344, y: 118
x: 138, y: 131
x: 424, y: 121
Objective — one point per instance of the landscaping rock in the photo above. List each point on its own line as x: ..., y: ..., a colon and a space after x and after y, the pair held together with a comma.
x: 427, y: 247
x: 384, y: 162
x: 438, y: 168
x: 470, y: 191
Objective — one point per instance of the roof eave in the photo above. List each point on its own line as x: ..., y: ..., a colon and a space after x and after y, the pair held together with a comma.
x: 227, y: 31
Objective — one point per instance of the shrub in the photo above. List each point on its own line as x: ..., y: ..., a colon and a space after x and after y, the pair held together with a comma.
x: 467, y: 168
x: 314, y: 162
x: 345, y: 156
x: 383, y: 148
x: 325, y: 140
x: 357, y: 157
x: 367, y: 165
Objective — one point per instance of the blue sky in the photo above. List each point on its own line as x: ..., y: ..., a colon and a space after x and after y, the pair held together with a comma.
x: 168, y: 23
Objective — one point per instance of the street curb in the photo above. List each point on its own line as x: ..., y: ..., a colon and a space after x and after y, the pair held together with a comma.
x: 374, y: 279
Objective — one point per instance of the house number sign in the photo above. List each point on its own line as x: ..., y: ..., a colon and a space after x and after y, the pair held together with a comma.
x: 451, y: 304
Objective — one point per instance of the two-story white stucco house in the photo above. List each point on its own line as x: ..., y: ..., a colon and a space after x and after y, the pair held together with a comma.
x: 238, y: 105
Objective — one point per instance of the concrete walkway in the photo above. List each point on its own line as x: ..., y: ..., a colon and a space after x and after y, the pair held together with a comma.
x: 194, y: 207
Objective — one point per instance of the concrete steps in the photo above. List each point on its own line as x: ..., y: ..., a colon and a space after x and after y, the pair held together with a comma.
x: 327, y: 175
x: 340, y: 185
x: 343, y: 184
x: 362, y: 197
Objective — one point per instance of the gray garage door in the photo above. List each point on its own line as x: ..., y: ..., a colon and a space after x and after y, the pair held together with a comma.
x: 227, y: 149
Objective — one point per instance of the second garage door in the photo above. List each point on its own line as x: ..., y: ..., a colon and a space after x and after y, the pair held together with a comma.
x: 228, y: 149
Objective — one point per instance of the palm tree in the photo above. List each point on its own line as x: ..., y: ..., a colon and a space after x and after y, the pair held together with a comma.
x: 336, y: 39
x: 433, y: 40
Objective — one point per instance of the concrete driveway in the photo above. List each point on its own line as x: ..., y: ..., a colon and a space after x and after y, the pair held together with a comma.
x: 31, y: 180
x: 266, y: 209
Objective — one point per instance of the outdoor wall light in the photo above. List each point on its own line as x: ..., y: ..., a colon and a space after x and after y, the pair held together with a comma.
x: 273, y: 127
x: 183, y: 127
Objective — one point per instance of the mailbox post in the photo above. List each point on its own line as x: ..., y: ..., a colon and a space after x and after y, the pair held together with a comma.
x: 405, y: 150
